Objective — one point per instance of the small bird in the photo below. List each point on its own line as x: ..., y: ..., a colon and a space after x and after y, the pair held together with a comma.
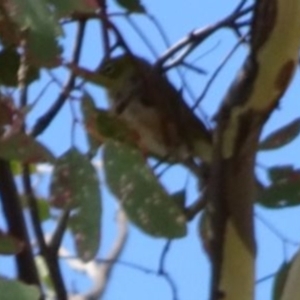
x: 151, y: 106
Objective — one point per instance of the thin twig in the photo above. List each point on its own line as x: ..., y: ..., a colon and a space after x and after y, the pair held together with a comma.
x: 194, y: 68
x: 60, y: 230
x: 215, y: 74
x: 105, y: 34
x: 162, y: 271
x: 163, y: 256
x: 265, y: 278
x: 196, y: 207
x: 198, y: 36
x: 41, y: 93
x: 44, y: 121
x: 275, y: 231
x: 141, y: 34
x: 50, y: 257
x: 239, y: 6
x: 100, y: 270
x: 160, y: 30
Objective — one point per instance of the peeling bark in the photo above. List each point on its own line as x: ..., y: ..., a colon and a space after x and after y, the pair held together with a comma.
x: 266, y: 74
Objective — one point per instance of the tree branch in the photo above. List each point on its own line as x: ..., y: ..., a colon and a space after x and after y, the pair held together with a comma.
x: 43, y: 122
x: 198, y: 36
x: 16, y: 224
x: 250, y: 100
x: 49, y: 255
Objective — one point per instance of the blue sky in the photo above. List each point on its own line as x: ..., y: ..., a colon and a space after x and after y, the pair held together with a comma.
x: 186, y: 261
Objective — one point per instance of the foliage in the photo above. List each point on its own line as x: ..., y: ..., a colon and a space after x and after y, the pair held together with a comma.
x: 32, y: 48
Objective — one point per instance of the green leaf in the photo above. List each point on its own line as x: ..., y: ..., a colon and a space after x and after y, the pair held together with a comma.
x: 66, y: 7
x: 24, y: 148
x: 280, y: 280
x: 179, y: 198
x: 13, y: 289
x: 144, y: 200
x: 279, y: 196
x: 281, y: 136
x: 284, y: 190
x: 89, y: 113
x: 9, y: 244
x: 37, y: 18
x: 75, y: 184
x: 43, y: 209
x: 281, y: 173
x: 10, y: 63
x: 17, y: 169
x: 101, y: 125
x: 133, y: 6
x: 110, y: 126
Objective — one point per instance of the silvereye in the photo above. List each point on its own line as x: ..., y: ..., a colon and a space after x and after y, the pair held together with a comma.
x: 151, y: 106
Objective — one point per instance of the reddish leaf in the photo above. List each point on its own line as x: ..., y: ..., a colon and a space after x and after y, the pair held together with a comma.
x: 6, y: 111
x: 75, y: 185
x: 71, y: 175
x: 282, y: 174
x: 281, y: 136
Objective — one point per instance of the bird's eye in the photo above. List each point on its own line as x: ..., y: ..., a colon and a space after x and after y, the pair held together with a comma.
x: 108, y: 69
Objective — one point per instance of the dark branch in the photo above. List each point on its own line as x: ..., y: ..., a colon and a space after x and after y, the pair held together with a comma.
x: 13, y: 213
x: 105, y: 34
x: 215, y: 74
x: 59, y: 231
x: 49, y: 256
x: 198, y: 36
x: 44, y: 121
